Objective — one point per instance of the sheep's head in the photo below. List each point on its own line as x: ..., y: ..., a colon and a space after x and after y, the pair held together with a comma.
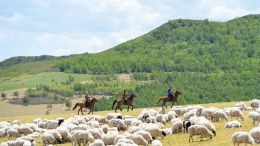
x: 214, y: 132
x: 163, y: 134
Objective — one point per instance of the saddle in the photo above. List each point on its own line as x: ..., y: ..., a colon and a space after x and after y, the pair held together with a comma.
x: 87, y: 103
x: 125, y: 101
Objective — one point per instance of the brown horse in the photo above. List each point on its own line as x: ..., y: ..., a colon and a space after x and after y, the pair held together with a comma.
x: 82, y: 105
x: 167, y: 99
x: 120, y: 102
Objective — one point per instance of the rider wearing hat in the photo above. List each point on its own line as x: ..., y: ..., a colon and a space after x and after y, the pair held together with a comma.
x: 87, y: 99
x: 169, y: 93
x: 124, y: 96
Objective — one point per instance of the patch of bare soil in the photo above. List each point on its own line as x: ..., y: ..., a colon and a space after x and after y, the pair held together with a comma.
x: 10, y: 93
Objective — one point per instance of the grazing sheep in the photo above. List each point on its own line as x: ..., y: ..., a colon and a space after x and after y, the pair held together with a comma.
x: 155, y: 131
x: 255, y: 116
x: 17, y: 122
x: 13, y: 133
x: 198, y: 130
x: 242, y: 137
x: 233, y: 124
x: 134, y: 129
x: 208, y: 112
x: 97, y: 142
x: 189, y: 114
x: 23, y: 129
x: 255, y: 133
x: 136, y: 122
x: 208, y: 124
x: 11, y: 143
x: 176, y: 127
x: 56, y: 134
x: 95, y: 133
x: 138, y: 139
x: 125, y: 141
x: 220, y: 115
x: 235, y: 112
x: 81, y: 136
x: 156, y: 143
x: 117, y: 123
x: 128, y: 121
x: 48, y: 138
x: 3, y: 144
x: 105, y: 128
x: 109, y: 138
x: 172, y: 115
x: 37, y: 120
x: 146, y: 135
x: 65, y: 133
x: 186, y: 124
x: 161, y: 111
x: 241, y: 105
x: 176, y: 110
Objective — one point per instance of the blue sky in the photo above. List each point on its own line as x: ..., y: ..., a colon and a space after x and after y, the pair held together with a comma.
x: 64, y: 27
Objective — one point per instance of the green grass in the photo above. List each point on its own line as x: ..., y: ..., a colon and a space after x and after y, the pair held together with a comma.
x: 28, y: 113
x: 28, y: 81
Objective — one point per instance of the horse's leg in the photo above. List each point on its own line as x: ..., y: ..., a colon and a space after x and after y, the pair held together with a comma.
x: 115, y: 109
x: 81, y: 111
x: 78, y: 111
x: 132, y: 106
x: 177, y: 102
x: 120, y: 108
x: 89, y: 110
x: 172, y: 104
x: 128, y: 108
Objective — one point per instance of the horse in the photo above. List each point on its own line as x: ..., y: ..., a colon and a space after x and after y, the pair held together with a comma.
x: 120, y: 102
x: 82, y: 105
x: 167, y: 99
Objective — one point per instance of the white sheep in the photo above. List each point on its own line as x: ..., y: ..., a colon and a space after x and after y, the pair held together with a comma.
x: 3, y: 144
x: 13, y: 133
x: 175, y: 120
x: 56, y: 134
x: 95, y: 133
x: 189, y: 114
x: 138, y: 139
x: 125, y: 141
x: 109, y: 138
x: 242, y: 105
x: 156, y: 143
x: 255, y: 116
x: 117, y: 123
x: 53, y: 124
x: 23, y: 129
x: 176, y: 110
x: 128, y: 121
x: 220, y: 115
x: 146, y: 135
x: 37, y: 120
x: 136, y: 122
x: 11, y: 143
x: 65, y: 133
x: 208, y: 124
x: 97, y: 142
x: 242, y: 137
x: 48, y: 138
x: 255, y: 133
x: 208, y: 112
x: 104, y: 128
x: 172, y: 115
x: 81, y: 136
x: 254, y: 103
x: 177, y: 127
x: 17, y: 122
x: 233, y: 124
x: 155, y: 131
x: 133, y: 129
x: 22, y: 142
x: 235, y: 112
x: 161, y: 111
x: 199, y: 130
x: 163, y: 118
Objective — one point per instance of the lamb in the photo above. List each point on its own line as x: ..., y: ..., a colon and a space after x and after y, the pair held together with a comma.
x: 146, y: 135
x: 138, y: 139
x: 233, y: 124
x: 220, y: 115
x: 199, y: 130
x: 235, y: 112
x: 176, y: 127
x: 208, y: 124
x: 23, y: 129
x: 255, y: 133
x: 81, y: 135
x: 97, y: 142
x: 156, y: 143
x: 242, y: 137
x: 48, y: 138
x: 109, y: 138
x: 13, y: 133
x: 155, y: 131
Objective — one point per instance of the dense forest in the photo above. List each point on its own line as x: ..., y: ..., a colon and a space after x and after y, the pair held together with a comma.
x: 207, y: 61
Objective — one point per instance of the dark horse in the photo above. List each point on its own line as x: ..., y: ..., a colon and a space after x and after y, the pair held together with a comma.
x: 120, y: 102
x: 82, y: 105
x: 167, y: 99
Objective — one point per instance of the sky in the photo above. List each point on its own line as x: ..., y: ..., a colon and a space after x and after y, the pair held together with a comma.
x: 65, y: 27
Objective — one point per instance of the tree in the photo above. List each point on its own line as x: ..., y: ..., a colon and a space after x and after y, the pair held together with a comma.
x: 68, y: 103
x: 26, y: 100
x: 16, y: 93
x: 62, y: 100
x: 49, y: 107
x: 56, y: 98
x: 3, y: 95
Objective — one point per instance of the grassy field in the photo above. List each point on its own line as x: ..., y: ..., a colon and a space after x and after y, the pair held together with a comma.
x: 223, y: 137
x: 28, y: 81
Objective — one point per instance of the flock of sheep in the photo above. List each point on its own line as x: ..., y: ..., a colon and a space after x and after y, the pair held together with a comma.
x: 146, y: 128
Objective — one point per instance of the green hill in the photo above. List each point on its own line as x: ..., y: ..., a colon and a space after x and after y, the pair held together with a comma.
x: 208, y: 61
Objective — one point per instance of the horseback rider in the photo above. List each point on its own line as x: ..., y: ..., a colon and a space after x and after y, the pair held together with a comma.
x: 87, y: 99
x: 169, y: 93
x: 124, y: 97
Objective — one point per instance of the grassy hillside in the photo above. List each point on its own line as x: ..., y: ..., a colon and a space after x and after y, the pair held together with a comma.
x: 223, y: 137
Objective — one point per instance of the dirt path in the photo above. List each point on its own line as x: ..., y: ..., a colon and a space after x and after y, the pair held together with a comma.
x: 124, y: 77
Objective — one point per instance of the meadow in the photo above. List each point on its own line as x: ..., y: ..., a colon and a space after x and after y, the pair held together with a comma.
x: 28, y: 81
x: 223, y: 137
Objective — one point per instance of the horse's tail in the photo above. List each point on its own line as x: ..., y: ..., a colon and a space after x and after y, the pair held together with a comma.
x: 113, y: 104
x: 75, y: 106
x: 158, y: 101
